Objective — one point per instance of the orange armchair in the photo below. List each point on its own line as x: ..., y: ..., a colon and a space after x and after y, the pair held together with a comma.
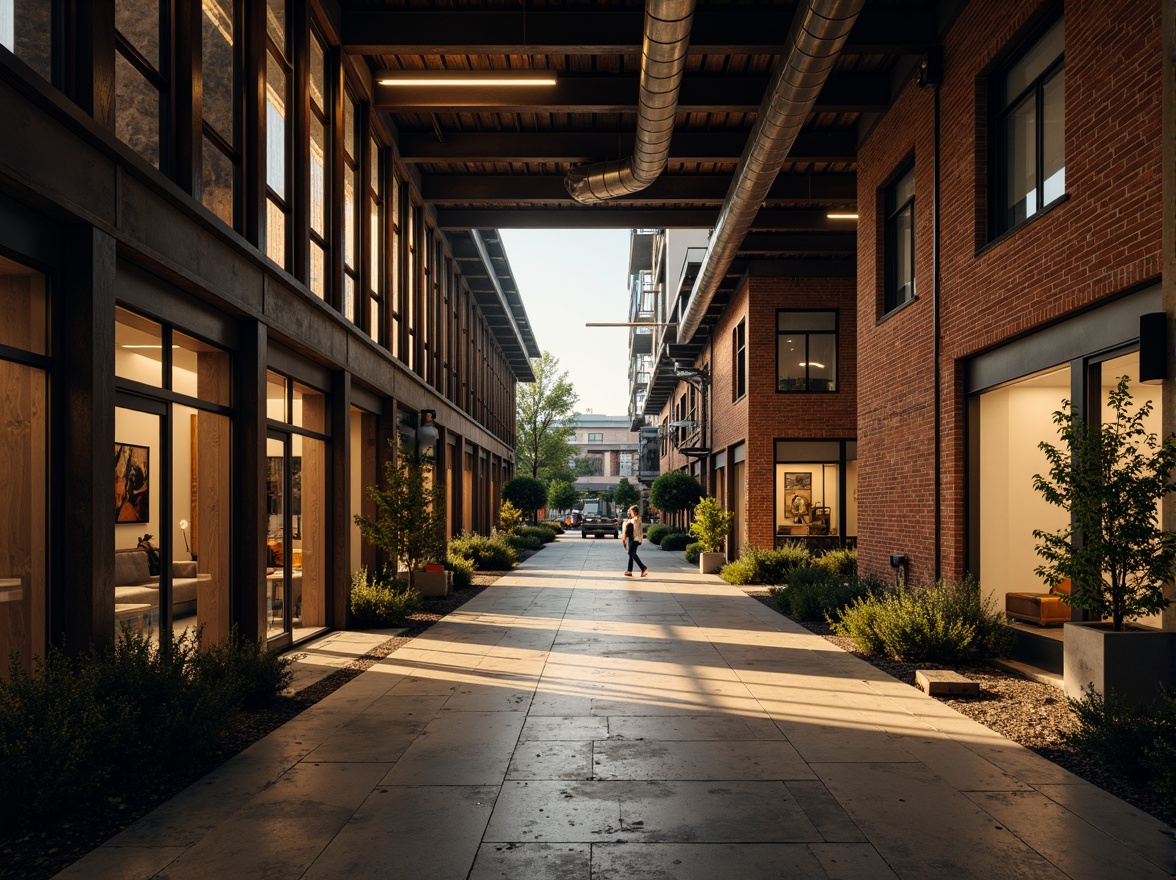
x: 1044, y: 609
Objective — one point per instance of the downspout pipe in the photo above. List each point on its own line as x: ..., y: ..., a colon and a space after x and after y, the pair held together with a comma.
x: 815, y: 39
x: 663, y: 62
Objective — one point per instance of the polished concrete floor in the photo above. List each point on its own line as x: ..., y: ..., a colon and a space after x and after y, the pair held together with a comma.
x: 572, y: 723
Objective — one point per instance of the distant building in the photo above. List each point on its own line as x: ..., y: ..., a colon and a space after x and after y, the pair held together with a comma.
x: 610, y: 445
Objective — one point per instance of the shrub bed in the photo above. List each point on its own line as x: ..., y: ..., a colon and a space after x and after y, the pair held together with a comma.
x: 462, y: 568
x: 765, y: 567
x: 542, y: 534
x: 522, y: 542
x: 675, y: 541
x: 814, y: 592
x: 948, y: 623
x: 842, y: 562
x: 693, y: 552
x: 377, y: 602
x: 486, y: 554
x: 657, y: 531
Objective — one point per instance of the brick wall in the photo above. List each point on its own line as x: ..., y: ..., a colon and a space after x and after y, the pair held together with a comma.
x: 1102, y: 241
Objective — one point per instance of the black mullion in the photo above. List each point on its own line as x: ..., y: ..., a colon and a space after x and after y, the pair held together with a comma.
x: 139, y: 62
x: 298, y: 35
x: 220, y: 142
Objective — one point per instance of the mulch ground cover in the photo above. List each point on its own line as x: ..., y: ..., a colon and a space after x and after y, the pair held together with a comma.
x: 41, y: 848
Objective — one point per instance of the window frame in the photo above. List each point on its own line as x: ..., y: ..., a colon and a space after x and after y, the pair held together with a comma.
x: 894, y: 295
x: 835, y: 333
x: 739, y: 360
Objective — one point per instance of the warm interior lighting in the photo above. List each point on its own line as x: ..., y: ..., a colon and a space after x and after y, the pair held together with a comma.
x: 812, y: 364
x: 841, y: 216
x: 466, y: 78
x: 157, y: 347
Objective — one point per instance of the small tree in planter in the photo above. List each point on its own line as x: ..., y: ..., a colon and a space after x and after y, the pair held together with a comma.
x: 711, y: 526
x: 409, y: 525
x: 675, y: 491
x: 1110, y: 478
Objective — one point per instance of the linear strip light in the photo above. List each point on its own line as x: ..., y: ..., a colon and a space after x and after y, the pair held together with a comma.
x: 461, y: 78
x: 835, y: 216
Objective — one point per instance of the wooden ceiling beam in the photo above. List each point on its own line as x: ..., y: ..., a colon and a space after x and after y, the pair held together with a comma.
x: 718, y: 30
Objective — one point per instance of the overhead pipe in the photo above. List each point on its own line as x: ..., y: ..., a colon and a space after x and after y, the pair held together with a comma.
x: 818, y: 32
x: 663, y: 62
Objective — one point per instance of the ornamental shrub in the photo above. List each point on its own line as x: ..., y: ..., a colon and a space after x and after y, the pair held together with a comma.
x: 377, y: 602
x: 526, y: 493
x: 711, y: 524
x: 1119, y: 733
x: 656, y: 532
x: 541, y: 534
x: 693, y: 552
x: 675, y: 541
x: 463, y: 570
x: 521, y: 543
x: 840, y: 561
x: 245, y: 667
x: 949, y: 623
x: 509, y: 517
x: 675, y: 491
x: 486, y: 554
x: 814, y: 592
x: 765, y: 567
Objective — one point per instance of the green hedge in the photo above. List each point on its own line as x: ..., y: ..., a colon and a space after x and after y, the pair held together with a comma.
x: 485, y: 553
x: 765, y: 567
x: 841, y: 562
x: 675, y: 541
x: 522, y: 542
x: 657, y: 531
x: 540, y: 533
x: 693, y: 552
x: 376, y: 603
x: 948, y: 623
x: 816, y: 593
x: 463, y: 570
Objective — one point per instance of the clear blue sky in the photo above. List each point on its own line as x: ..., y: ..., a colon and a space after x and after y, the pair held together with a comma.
x: 568, y: 277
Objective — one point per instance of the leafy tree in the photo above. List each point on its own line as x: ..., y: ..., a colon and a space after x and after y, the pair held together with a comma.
x: 675, y: 491
x: 545, y: 421
x: 1114, y: 551
x: 626, y: 494
x: 409, y: 525
x: 562, y: 495
x: 528, y: 494
x: 711, y: 524
x: 584, y: 466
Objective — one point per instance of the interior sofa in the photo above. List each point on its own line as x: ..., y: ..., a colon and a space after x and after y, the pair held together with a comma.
x: 1044, y: 609
x: 135, y: 585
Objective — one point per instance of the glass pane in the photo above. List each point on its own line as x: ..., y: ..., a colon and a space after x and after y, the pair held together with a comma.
x: 904, y: 190
x: 310, y: 410
x: 24, y: 526
x: 308, y: 530
x: 318, y: 153
x: 138, y: 22
x: 1021, y: 162
x: 200, y: 370
x: 318, y: 278
x: 374, y: 320
x: 275, y: 22
x: 275, y: 125
x: 24, y: 305
x: 138, y: 349
x: 218, y: 67
x: 350, y: 215
x: 26, y: 29
x: 136, y: 121
x: 139, y: 471
x: 276, y: 488
x: 822, y: 363
x: 1041, y: 55
x: 217, y: 184
x: 790, y: 362
x: 275, y: 232
x: 904, y: 255
x: 275, y: 407
x: 348, y: 126
x: 374, y: 242
x: 318, y: 75
x: 801, y: 321
x: 1054, y: 137
x: 349, y: 297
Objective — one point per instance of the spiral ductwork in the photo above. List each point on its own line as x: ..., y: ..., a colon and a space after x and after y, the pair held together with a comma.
x: 814, y: 41
x: 663, y: 61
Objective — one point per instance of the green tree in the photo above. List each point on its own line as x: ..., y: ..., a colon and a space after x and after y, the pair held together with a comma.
x: 711, y: 524
x: 584, y: 466
x: 626, y: 494
x: 675, y: 491
x: 409, y: 525
x: 545, y: 421
x: 562, y: 495
x: 526, y: 493
x: 1114, y: 551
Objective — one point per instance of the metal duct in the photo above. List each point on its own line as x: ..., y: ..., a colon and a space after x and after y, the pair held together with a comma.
x: 814, y: 41
x: 663, y: 61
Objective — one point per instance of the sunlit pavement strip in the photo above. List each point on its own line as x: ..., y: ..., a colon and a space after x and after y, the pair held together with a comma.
x: 572, y: 723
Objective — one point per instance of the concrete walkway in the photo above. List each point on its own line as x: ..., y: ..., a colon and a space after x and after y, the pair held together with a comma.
x: 572, y: 723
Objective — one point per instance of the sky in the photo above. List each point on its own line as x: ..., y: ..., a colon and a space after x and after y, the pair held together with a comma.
x: 568, y: 277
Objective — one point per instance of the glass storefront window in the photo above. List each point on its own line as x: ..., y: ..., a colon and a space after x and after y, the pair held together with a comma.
x: 138, y: 348
x: 139, y: 476
x: 275, y: 404
x: 24, y: 308
x: 807, y: 499
x: 26, y: 29
x: 200, y: 370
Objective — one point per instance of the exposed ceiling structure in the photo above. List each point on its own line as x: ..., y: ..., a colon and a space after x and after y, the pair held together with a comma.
x: 496, y: 157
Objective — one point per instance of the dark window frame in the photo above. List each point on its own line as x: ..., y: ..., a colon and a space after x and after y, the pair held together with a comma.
x: 835, y: 333
x: 739, y: 360
x: 896, y: 292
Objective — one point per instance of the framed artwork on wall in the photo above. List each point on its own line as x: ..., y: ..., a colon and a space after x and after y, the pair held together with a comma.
x: 798, y: 495
x: 131, y: 483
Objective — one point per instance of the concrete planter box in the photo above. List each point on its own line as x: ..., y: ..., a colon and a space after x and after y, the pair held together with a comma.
x: 433, y: 583
x: 1133, y: 664
x: 710, y: 563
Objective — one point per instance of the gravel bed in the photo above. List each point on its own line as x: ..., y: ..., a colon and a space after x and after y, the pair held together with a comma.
x: 1034, y: 714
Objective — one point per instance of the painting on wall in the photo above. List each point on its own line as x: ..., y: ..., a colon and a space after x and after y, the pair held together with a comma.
x: 131, y: 486
x: 798, y: 495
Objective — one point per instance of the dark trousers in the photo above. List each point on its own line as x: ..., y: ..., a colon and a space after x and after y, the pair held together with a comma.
x: 633, y: 557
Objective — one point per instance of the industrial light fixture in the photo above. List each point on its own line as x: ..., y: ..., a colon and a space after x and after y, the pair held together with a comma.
x: 463, y: 78
x: 835, y: 215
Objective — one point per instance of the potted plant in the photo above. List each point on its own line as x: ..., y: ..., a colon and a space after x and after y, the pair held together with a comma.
x: 1110, y: 477
x: 711, y: 526
x: 409, y: 523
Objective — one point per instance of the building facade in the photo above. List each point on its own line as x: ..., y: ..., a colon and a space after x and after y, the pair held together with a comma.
x: 214, y: 263
x: 609, y: 444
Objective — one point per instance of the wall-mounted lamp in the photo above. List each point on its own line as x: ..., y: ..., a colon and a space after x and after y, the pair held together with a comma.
x: 419, y: 434
x: 1153, y: 348
x: 901, y: 564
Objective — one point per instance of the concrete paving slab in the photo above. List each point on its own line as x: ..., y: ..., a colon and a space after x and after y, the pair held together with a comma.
x: 461, y: 748
x: 704, y: 861
x: 659, y: 759
x: 724, y: 728
x: 581, y: 727
x: 852, y: 861
x: 124, y: 862
x: 533, y: 861
x: 1131, y: 827
x: 552, y: 759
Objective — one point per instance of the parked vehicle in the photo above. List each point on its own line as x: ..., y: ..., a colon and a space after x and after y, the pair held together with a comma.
x: 599, y: 519
x: 573, y: 519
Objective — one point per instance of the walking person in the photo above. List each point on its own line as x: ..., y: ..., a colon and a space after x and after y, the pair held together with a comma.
x: 632, y: 536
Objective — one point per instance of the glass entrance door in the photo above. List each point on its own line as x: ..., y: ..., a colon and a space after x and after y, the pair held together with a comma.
x: 279, y: 552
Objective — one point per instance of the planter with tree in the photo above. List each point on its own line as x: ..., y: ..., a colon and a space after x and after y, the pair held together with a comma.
x: 1110, y: 477
x: 711, y: 526
x: 409, y: 522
